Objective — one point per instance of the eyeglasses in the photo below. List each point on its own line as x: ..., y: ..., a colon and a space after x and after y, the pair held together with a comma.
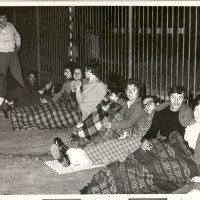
x: 149, y: 103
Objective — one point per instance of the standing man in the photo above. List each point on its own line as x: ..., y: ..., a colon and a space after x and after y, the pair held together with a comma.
x: 10, y: 43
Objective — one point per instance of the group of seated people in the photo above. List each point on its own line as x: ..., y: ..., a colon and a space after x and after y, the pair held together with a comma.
x: 147, y: 147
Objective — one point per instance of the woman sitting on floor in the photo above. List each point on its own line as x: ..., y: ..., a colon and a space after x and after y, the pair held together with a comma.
x: 60, y: 112
x: 162, y: 166
x: 111, y: 150
x: 110, y: 105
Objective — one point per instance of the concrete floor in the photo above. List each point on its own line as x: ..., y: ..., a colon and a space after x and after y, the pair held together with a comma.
x: 22, y: 167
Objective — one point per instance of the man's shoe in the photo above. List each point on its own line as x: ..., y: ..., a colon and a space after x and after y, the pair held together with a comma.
x: 60, y: 156
x: 60, y: 144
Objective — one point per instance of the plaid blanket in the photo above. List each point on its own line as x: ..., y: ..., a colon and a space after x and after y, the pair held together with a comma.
x: 60, y: 114
x: 165, y: 168
x: 93, y: 124
x: 117, y: 149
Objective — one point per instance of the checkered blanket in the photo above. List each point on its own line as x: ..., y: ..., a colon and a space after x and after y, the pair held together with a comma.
x: 92, y: 126
x: 100, y: 151
x: 165, y: 168
x: 60, y: 114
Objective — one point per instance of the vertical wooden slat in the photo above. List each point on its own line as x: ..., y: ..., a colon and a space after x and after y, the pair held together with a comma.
x: 183, y: 48
x: 177, y: 48
x: 138, y: 44
x: 195, y: 52
x: 147, y: 49
x: 126, y: 42
x: 130, y: 42
x: 38, y: 42
x: 166, y: 55
x: 118, y: 44
x: 122, y: 42
x: 172, y: 44
x: 143, y: 34
x: 161, y: 48
x: 114, y: 42
x: 156, y: 79
x: 105, y: 42
x: 108, y: 36
x: 111, y: 40
x: 189, y: 46
x: 152, y: 48
x: 134, y: 44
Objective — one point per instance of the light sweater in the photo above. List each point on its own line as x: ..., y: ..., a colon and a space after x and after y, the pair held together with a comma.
x: 9, y: 37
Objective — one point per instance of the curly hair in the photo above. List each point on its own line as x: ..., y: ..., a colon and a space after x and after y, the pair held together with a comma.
x: 137, y: 83
x: 116, y: 83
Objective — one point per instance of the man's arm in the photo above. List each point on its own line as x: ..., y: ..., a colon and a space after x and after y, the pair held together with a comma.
x: 17, y: 37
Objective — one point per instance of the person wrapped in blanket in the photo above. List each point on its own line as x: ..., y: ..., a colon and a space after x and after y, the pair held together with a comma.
x: 109, y: 106
x: 60, y: 112
x: 163, y: 164
x: 110, y: 150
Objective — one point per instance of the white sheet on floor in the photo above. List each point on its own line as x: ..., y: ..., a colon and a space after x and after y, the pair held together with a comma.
x: 55, y: 165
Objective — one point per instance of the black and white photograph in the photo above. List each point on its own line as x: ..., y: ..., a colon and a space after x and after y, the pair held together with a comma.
x: 100, y: 99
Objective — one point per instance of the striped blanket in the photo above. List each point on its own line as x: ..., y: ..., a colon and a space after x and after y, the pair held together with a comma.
x: 165, y: 168
x: 92, y: 126
x: 60, y: 114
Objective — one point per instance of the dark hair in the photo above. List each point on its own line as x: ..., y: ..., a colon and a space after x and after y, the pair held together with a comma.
x: 94, y: 67
x: 179, y: 89
x: 78, y: 68
x: 136, y: 83
x: 31, y: 72
x: 196, y: 102
x: 3, y: 12
x: 70, y: 65
x: 116, y: 83
x: 154, y: 98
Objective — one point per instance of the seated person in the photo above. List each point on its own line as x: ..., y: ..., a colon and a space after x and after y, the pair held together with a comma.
x: 112, y: 103
x: 166, y: 165
x: 30, y: 94
x: 107, y: 151
x: 59, y: 112
x: 174, y: 116
x: 93, y: 91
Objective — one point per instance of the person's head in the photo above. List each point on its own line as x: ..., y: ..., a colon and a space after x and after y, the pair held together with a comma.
x: 149, y: 103
x: 196, y: 108
x: 177, y: 95
x: 69, y: 68
x: 77, y: 73
x: 116, y: 84
x: 133, y: 89
x: 31, y: 76
x: 92, y: 68
x: 3, y: 16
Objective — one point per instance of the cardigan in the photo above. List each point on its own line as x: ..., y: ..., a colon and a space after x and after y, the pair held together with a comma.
x: 131, y: 115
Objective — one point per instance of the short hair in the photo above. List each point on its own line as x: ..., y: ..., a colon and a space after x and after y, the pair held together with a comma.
x: 31, y: 72
x: 116, y: 83
x: 94, y: 67
x: 137, y: 83
x: 70, y: 65
x: 3, y: 12
x: 179, y: 89
x: 155, y: 99
x: 196, y: 102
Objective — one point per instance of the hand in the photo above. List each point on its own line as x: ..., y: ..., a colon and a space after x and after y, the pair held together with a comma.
x: 17, y: 49
x: 48, y: 86
x: 43, y: 101
x: 146, y: 146
x: 41, y: 91
x: 78, y: 84
x: 106, y: 125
